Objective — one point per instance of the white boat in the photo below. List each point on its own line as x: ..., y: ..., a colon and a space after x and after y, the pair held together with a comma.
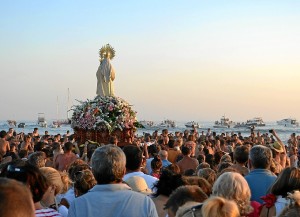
x: 256, y: 122
x: 55, y: 124
x: 11, y: 123
x: 224, y: 123
x: 41, y: 120
x: 147, y: 124
x: 192, y: 124
x: 167, y: 124
x: 288, y: 122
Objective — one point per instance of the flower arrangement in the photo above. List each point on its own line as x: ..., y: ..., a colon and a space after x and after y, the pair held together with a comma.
x: 103, y: 113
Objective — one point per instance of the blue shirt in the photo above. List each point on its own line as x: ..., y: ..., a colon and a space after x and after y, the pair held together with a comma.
x: 259, y: 181
x: 112, y: 200
x: 165, y: 163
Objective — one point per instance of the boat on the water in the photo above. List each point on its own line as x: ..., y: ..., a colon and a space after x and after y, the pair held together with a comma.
x: 167, y: 124
x: 147, y: 124
x: 192, y: 124
x: 64, y: 121
x: 21, y: 125
x: 256, y: 122
x: 224, y: 123
x: 55, y: 124
x: 42, y: 120
x: 288, y: 122
x: 12, y: 123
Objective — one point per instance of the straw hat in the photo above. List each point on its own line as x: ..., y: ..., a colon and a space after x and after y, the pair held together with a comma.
x: 276, y: 147
x: 138, y: 184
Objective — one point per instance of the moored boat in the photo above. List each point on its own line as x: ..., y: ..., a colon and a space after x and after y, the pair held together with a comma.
x: 192, y: 124
x: 42, y: 120
x: 167, y: 124
x: 147, y: 124
x: 288, y: 122
x: 21, y: 125
x: 224, y: 123
x: 12, y: 123
x: 256, y: 122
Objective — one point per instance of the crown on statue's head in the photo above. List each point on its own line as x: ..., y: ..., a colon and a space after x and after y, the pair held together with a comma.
x: 107, y: 50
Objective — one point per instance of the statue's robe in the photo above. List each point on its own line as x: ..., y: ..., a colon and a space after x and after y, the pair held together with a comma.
x: 105, y: 76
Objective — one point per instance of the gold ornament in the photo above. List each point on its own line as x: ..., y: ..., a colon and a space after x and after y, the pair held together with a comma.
x: 107, y: 51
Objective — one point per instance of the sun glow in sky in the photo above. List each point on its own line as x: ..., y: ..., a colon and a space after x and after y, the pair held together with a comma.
x: 182, y: 60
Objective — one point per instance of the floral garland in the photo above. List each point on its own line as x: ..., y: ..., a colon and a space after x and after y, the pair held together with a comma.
x: 103, y: 113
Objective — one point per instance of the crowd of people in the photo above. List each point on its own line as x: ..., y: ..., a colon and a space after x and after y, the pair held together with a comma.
x: 161, y: 174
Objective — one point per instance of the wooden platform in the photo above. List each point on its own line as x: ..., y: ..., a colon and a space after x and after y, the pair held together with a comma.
x: 125, y: 137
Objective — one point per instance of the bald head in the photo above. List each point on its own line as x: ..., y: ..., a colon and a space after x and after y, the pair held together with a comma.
x: 163, y: 154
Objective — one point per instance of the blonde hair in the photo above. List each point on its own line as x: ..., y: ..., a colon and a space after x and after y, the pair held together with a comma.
x: 67, y: 182
x: 220, y: 207
x: 53, y: 177
x: 233, y: 186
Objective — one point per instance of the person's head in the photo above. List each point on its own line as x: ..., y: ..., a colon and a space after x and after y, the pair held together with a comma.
x: 201, y: 158
x: 13, y: 147
x: 163, y: 154
x: 171, y: 143
x: 156, y: 164
x: 182, y: 195
x: 55, y: 183
x: 37, y: 159
x: 28, y: 138
x: 23, y: 154
x: 134, y: 157
x: 202, y: 166
x: 113, y: 140
x: 15, y: 199
x: 178, y: 142
x: 241, y: 154
x: 75, y: 167
x: 186, y: 151
x: 168, y: 182
x: 3, y: 134
x: 287, y: 181
x: 201, y: 182
x: 219, y: 207
x: 174, y: 168
x: 208, y: 174
x: 225, y: 158
x: 223, y: 165
x: 191, y: 138
x: 68, y: 146
x: 233, y: 186
x: 276, y: 148
x: 30, y: 175
x: 108, y: 164
x: 84, y: 181
x: 260, y: 157
x: 39, y: 146
x: 152, y: 150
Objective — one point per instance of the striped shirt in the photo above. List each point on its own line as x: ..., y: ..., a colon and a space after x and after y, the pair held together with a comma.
x: 47, y: 212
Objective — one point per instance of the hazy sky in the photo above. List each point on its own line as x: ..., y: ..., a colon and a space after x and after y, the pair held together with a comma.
x: 182, y: 60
